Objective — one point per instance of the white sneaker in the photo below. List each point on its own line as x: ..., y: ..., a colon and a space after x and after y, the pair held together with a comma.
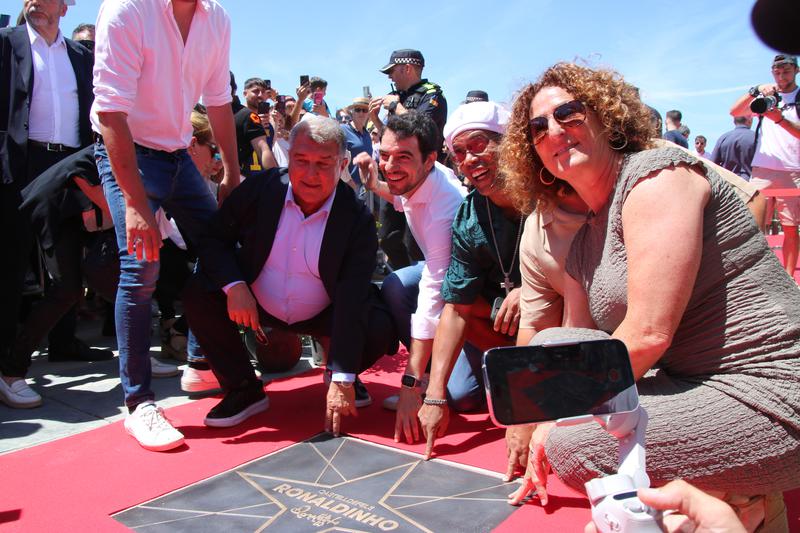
x: 194, y: 380
x: 19, y: 394
x: 162, y: 370
x: 148, y: 425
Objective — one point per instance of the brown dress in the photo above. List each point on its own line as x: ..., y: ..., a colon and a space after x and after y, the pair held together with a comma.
x: 724, y: 399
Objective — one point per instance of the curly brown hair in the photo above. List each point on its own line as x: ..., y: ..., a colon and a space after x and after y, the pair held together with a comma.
x: 616, y: 104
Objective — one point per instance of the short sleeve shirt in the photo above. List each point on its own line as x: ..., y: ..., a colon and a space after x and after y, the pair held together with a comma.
x: 474, y: 267
x: 357, y: 142
x: 248, y: 127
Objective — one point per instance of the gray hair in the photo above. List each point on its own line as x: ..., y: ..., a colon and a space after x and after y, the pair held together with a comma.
x: 321, y: 130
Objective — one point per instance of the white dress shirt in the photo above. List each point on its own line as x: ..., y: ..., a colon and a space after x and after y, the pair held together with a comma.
x: 430, y: 212
x: 142, y: 68
x: 54, y: 112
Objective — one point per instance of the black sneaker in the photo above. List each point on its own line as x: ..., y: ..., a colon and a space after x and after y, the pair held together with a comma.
x: 237, y: 406
x: 363, y: 399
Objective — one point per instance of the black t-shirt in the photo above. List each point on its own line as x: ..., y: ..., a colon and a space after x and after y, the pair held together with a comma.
x: 248, y: 127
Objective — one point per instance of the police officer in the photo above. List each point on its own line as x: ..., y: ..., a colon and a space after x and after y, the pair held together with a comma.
x: 411, y: 92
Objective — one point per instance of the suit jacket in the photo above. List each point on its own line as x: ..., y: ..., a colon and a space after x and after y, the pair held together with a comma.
x: 16, y: 89
x: 250, y: 216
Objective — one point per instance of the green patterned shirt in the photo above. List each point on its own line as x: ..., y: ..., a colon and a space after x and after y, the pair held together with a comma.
x: 474, y: 269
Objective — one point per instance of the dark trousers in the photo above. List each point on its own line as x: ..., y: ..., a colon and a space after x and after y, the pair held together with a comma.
x: 16, y: 241
x: 64, y: 262
x: 396, y: 240
x: 207, y: 312
x: 172, y: 277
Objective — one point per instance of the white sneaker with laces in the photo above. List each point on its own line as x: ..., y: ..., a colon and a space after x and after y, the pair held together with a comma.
x: 194, y: 380
x: 162, y: 370
x: 19, y: 394
x: 154, y: 432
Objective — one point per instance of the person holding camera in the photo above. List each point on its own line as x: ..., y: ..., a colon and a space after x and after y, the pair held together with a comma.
x: 254, y: 133
x: 776, y: 163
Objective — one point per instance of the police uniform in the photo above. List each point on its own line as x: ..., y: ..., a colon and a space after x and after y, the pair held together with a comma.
x: 422, y: 97
x: 425, y: 97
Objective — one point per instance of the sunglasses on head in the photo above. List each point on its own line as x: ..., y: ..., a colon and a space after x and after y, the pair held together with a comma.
x: 476, y: 144
x: 569, y: 114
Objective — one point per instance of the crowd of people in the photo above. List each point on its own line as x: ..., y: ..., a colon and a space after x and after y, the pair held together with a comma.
x: 135, y: 170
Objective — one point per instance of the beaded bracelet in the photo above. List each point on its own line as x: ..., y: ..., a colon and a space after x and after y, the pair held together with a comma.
x: 431, y: 401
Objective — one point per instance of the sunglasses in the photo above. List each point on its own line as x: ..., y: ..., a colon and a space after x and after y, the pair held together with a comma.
x: 569, y: 114
x: 360, y: 110
x: 477, y: 145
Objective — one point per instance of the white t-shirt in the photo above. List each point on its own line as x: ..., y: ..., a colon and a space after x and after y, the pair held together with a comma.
x: 777, y: 149
x: 280, y: 149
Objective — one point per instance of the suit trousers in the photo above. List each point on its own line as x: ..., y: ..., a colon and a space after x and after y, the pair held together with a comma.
x: 17, y: 242
x: 207, y: 311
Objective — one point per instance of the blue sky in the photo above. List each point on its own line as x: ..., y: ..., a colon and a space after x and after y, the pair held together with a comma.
x: 696, y: 56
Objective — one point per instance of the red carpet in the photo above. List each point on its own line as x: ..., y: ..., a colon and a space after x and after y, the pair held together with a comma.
x: 76, y: 483
x: 775, y: 242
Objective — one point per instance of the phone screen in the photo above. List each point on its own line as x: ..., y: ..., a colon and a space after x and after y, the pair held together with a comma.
x: 528, y: 384
x: 304, y: 79
x: 280, y: 105
x: 263, y: 107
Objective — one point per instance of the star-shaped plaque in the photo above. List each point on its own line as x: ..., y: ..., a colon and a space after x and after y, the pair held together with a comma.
x: 333, y: 484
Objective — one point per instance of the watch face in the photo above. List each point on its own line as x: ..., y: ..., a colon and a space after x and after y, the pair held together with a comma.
x: 409, y: 381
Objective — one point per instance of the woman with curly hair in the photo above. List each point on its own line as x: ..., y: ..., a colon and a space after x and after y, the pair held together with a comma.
x: 671, y: 263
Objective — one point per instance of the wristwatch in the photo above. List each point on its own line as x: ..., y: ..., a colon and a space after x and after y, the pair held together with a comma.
x: 410, y: 381
x: 754, y: 92
x: 392, y: 107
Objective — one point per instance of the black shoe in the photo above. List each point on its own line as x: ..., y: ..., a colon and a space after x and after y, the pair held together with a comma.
x: 237, y: 406
x: 363, y: 399
x: 77, y: 350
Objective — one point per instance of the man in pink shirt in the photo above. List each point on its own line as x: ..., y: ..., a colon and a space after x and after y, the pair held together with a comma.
x: 297, y: 255
x: 154, y: 59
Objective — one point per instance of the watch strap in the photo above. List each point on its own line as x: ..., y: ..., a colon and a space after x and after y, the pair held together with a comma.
x: 410, y: 381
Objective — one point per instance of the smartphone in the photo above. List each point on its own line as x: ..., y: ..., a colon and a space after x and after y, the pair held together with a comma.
x: 571, y: 380
x: 268, y: 84
x: 280, y: 105
x: 367, y: 93
x: 264, y: 107
x: 304, y: 79
x: 496, y: 305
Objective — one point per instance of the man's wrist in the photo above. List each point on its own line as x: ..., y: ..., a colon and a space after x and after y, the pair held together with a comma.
x: 440, y: 402
x: 410, y: 381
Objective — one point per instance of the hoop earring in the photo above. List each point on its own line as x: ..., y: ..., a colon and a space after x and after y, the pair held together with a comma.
x: 617, y: 140
x: 546, y: 183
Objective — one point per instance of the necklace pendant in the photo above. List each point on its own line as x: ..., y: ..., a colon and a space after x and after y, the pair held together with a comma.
x: 507, y: 284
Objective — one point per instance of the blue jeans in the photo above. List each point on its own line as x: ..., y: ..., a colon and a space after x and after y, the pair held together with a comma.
x: 171, y: 181
x: 400, y: 290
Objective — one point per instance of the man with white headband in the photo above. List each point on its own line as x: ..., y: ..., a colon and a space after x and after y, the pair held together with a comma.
x: 481, y: 287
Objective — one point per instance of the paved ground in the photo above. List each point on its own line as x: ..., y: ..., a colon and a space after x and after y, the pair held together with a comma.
x: 81, y: 396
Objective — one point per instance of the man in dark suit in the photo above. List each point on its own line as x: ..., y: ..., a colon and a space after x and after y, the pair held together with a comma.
x: 45, y: 97
x: 305, y: 264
